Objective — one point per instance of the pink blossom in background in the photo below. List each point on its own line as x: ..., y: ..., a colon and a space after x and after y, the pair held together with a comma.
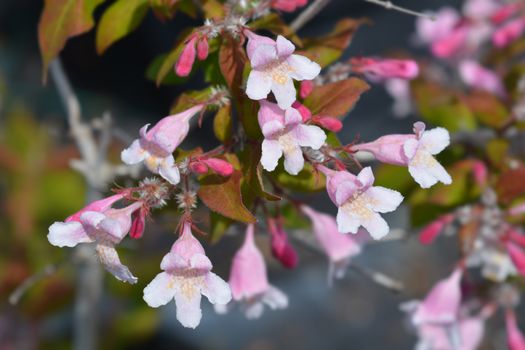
x: 415, y: 151
x: 186, y: 275
x: 187, y: 58
x: 441, y: 305
x: 155, y: 146
x: 274, y: 66
x: 509, y: 32
x: 475, y: 75
x: 338, y: 247
x: 515, y: 339
x: 429, y: 31
x: 359, y: 203
x: 517, y: 255
x: 282, y: 250
x: 103, y: 228
x: 385, y: 68
x: 288, y: 5
x: 451, y: 44
x: 249, y: 281
x: 429, y: 233
x: 480, y: 9
x: 480, y: 172
x: 399, y: 90
x: 284, y: 135
x: 466, y: 335
x: 506, y: 11
x: 306, y: 88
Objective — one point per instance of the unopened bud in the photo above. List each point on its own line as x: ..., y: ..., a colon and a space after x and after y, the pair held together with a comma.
x: 186, y: 59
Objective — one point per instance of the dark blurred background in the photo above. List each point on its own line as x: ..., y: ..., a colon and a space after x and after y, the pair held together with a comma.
x: 354, y: 314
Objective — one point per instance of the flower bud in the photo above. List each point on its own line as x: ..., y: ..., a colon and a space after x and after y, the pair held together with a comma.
x: 306, y: 114
x: 186, y: 59
x: 282, y: 250
x: 306, y: 88
x: 203, y: 48
x: 198, y: 167
x: 219, y: 166
x: 138, y: 223
x: 329, y: 123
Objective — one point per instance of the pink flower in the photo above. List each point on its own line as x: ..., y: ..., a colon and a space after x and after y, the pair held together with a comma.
x: 138, y: 223
x: 306, y: 88
x: 249, y: 281
x: 100, y: 206
x: 285, y: 134
x: 274, y: 66
x: 451, y: 44
x: 203, y: 48
x: 515, y: 338
x: 429, y: 31
x: 506, y: 11
x: 477, y: 76
x: 186, y: 58
x: 103, y: 226
x: 339, y: 248
x: 441, y: 305
x: 517, y: 255
x: 385, y: 68
x: 282, y: 250
x: 432, y: 230
x: 155, y: 146
x: 187, y: 274
x: 415, y: 151
x: 480, y: 9
x: 359, y: 202
x: 288, y: 5
x: 480, y: 172
x: 399, y: 90
x: 509, y: 32
x: 466, y: 335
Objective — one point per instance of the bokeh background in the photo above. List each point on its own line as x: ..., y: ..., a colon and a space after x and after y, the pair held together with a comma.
x: 37, y: 188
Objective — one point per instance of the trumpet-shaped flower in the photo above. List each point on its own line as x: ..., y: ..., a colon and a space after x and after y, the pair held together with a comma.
x: 359, y: 202
x: 105, y: 227
x: 187, y: 274
x: 385, y: 68
x: 339, y: 248
x: 249, y: 281
x: 515, y: 339
x: 155, y: 146
x: 475, y: 75
x: 285, y: 134
x: 415, y: 151
x: 274, y: 66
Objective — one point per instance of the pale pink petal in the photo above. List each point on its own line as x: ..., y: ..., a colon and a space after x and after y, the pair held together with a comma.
x: 344, y: 191
x: 67, y: 234
x: 133, y: 154
x: 471, y: 332
x: 383, y: 200
x: 173, y: 261
x: 285, y: 93
x: 200, y: 262
x: 160, y: 291
x: 216, y: 289
x: 100, y: 206
x: 435, y: 140
x: 284, y: 47
x: 366, y: 177
x: 309, y: 136
x: 91, y: 219
x: 293, y: 160
x: 263, y: 56
x: 275, y: 298
x: 347, y: 223
x: 269, y: 112
x: 253, y: 309
x: 410, y: 148
x: 109, y: 258
x: 271, y: 128
x: 188, y: 301
x: 303, y: 68
x: 439, y: 172
x: 271, y: 153
x: 376, y: 226
x: 422, y: 176
x: 254, y: 41
x: 258, y: 86
x: 169, y: 171
x: 292, y: 116
x: 112, y: 229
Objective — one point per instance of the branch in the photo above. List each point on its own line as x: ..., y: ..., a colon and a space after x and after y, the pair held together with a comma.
x: 30, y: 281
x: 390, y: 6
x: 309, y: 13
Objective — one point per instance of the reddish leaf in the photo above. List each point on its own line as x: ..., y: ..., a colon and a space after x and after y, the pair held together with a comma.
x: 223, y: 196
x: 511, y: 184
x: 487, y: 109
x: 336, y: 99
x: 60, y: 20
x: 232, y: 59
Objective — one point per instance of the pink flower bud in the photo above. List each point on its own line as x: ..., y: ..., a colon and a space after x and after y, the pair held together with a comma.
x: 306, y: 114
x: 198, y: 167
x: 138, y: 223
x: 306, y: 88
x: 432, y: 230
x: 475, y: 75
x: 480, y: 172
x: 203, y: 48
x: 450, y: 44
x: 516, y: 237
x: 386, y: 68
x: 517, y: 256
x: 509, y: 32
x: 219, y: 166
x: 287, y: 5
x: 329, y: 123
x: 515, y: 339
x: 505, y: 12
x: 186, y: 59
x: 281, y: 248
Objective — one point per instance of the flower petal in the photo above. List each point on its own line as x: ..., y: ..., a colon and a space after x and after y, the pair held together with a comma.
x: 258, y: 86
x: 410, y: 148
x: 160, y: 290
x: 91, y: 219
x: 133, y: 154
x: 376, y: 226
x: 285, y: 93
x: 263, y: 56
x: 271, y: 153
x: 112, y: 229
x: 188, y: 301
x: 253, y: 309
x: 293, y: 160
x: 271, y: 128
x: 344, y: 191
x: 366, y: 177
x: 169, y: 171
x: 284, y: 47
x: 303, y: 68
x: 275, y: 298
x: 200, y: 262
x: 422, y: 176
x: 435, y: 140
x: 173, y: 261
x: 292, y: 116
x: 67, y: 234
x: 384, y: 200
x: 347, y: 223
x: 216, y: 289
x: 109, y: 258
x: 309, y: 136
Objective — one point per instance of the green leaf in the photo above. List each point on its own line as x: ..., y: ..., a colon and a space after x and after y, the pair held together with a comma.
x: 306, y: 181
x: 336, y: 99
x: 120, y: 19
x: 61, y: 20
x: 223, y: 196
x: 166, y: 66
x: 487, y: 108
x: 164, y: 9
x: 253, y: 185
x: 497, y: 151
x: 222, y: 124
x: 275, y: 24
x: 394, y: 177
x: 190, y: 99
x: 219, y: 224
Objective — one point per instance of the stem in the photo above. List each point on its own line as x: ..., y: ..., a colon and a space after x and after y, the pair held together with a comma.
x: 390, y: 6
x: 29, y: 282
x: 309, y: 13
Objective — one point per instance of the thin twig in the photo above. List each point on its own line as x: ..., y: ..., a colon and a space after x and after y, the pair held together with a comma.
x: 310, y: 12
x: 390, y: 6
x: 30, y: 281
